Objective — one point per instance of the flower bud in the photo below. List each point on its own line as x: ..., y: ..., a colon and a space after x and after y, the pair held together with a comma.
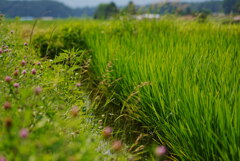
x: 37, y: 90
x: 78, y: 84
x: 24, y: 72
x: 15, y: 73
x: 3, y: 158
x: 7, y: 105
x: 107, y: 132
x: 74, y: 111
x: 23, y: 133
x: 8, y: 122
x: 160, y: 151
x: 8, y: 79
x: 117, y: 145
x: 16, y: 85
x: 34, y: 71
x: 23, y: 62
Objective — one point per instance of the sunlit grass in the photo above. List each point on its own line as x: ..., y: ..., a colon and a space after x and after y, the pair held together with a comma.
x: 191, y: 100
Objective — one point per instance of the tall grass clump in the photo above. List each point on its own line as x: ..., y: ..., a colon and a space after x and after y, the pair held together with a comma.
x: 44, y: 113
x: 180, y: 80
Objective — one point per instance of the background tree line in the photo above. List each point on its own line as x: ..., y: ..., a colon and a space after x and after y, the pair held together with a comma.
x: 41, y: 8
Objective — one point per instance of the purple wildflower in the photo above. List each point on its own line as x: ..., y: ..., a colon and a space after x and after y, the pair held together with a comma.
x: 8, y: 79
x: 24, y: 72
x: 34, y: 71
x: 16, y: 85
x: 78, y: 84
x: 3, y: 158
x: 117, y: 145
x: 23, y: 133
x: 15, y: 73
x: 37, y: 90
x: 74, y: 111
x: 160, y: 151
x: 107, y: 132
x: 7, y: 105
x: 23, y: 62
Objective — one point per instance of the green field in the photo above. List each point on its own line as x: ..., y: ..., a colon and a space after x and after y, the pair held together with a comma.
x: 174, y: 83
x: 179, y: 80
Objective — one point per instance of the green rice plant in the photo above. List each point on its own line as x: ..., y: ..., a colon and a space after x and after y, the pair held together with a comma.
x: 180, y: 80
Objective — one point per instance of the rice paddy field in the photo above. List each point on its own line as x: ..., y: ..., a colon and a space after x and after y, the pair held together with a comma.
x: 169, y: 88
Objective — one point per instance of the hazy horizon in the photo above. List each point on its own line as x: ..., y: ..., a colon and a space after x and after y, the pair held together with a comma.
x: 92, y: 3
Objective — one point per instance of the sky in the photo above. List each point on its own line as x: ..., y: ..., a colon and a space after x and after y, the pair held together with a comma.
x: 90, y: 3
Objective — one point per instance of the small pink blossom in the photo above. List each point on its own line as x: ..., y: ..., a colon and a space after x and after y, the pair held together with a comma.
x: 107, y: 132
x: 8, y: 79
x: 16, y: 85
x: 160, y: 151
x: 3, y: 158
x: 34, y: 71
x: 25, y: 44
x: 23, y: 63
x: 117, y: 145
x: 7, y: 105
x: 1, y: 51
x: 37, y: 90
x: 24, y: 72
x: 24, y: 133
x: 78, y: 84
x: 74, y: 111
x: 15, y: 73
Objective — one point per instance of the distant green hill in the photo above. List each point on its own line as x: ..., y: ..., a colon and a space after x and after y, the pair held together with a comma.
x: 41, y: 8
x: 184, y: 7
